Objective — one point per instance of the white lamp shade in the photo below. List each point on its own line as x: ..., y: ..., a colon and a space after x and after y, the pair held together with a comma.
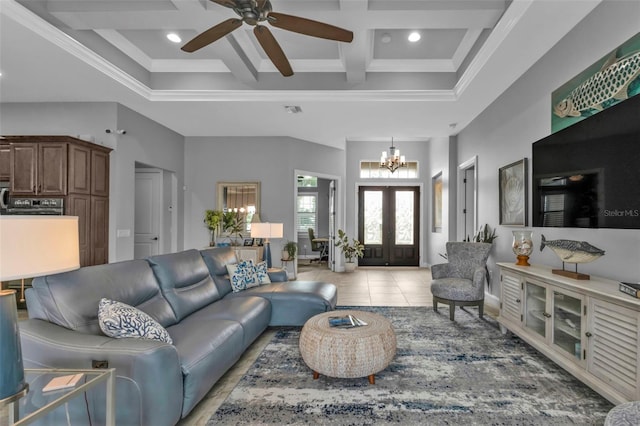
x: 32, y: 246
x: 266, y: 230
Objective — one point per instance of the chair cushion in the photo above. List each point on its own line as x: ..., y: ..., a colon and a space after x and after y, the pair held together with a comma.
x: 120, y: 320
x: 459, y: 289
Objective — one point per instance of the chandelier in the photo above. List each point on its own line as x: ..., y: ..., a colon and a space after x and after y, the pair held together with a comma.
x: 393, y: 161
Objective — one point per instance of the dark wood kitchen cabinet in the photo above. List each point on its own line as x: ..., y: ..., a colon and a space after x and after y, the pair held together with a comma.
x: 38, y: 168
x: 71, y: 168
x: 5, y: 168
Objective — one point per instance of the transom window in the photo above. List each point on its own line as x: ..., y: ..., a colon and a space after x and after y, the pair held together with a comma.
x: 372, y: 170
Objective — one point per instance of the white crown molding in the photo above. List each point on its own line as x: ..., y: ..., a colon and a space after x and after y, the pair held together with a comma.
x: 411, y: 65
x: 188, y: 65
x: 301, y: 95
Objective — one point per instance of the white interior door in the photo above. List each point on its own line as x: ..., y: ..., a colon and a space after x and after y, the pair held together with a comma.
x: 148, y: 213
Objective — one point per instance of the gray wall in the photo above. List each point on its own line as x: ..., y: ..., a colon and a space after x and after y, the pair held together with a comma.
x: 270, y: 160
x: 146, y: 141
x: 505, y: 131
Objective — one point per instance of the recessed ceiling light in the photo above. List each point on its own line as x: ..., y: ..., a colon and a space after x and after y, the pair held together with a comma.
x: 414, y: 36
x: 174, y: 37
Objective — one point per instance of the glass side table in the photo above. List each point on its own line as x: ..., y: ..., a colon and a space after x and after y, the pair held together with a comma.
x: 32, y: 403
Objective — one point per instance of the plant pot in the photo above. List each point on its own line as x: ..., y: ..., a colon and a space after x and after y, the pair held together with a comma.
x: 349, y: 266
x: 285, y: 255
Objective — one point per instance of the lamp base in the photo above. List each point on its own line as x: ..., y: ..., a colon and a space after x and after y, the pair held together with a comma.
x: 523, y: 260
x: 266, y: 255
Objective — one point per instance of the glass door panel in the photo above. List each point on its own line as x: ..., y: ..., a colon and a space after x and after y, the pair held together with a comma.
x: 404, y: 217
x: 535, y: 312
x: 373, y: 217
x: 567, y: 323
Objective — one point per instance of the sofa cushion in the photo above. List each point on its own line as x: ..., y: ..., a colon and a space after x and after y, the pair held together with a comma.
x: 185, y: 281
x: 120, y: 320
x: 217, y: 260
x: 253, y: 314
x: 70, y: 299
x: 206, y: 351
x: 242, y: 275
x: 294, y: 302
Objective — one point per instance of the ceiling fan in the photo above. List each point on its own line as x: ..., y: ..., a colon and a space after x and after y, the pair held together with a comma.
x: 253, y: 12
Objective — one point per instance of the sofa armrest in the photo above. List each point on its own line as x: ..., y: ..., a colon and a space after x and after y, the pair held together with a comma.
x: 147, y: 371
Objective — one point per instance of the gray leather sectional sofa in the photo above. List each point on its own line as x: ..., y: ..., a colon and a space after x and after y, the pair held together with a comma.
x: 189, y: 294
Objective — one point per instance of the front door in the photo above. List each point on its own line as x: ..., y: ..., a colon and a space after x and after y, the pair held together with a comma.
x: 388, y: 225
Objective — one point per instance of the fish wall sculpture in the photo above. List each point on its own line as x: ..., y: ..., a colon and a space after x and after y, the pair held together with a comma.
x: 611, y: 82
x: 572, y: 251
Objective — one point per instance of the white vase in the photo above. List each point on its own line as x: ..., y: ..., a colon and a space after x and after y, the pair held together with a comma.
x: 349, y: 266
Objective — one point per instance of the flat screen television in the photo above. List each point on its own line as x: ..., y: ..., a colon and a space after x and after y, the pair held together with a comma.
x: 588, y: 175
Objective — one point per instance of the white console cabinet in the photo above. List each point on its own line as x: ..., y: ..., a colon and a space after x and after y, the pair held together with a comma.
x: 588, y: 327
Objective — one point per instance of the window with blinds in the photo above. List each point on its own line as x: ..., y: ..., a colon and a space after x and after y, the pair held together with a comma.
x: 307, y: 212
x: 553, y: 206
x: 372, y: 170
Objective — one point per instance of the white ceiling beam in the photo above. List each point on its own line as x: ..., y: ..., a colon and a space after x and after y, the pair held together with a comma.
x: 356, y: 56
x: 411, y: 65
x: 465, y: 46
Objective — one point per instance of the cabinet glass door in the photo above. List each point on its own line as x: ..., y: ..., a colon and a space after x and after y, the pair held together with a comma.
x: 567, y: 323
x: 536, y: 314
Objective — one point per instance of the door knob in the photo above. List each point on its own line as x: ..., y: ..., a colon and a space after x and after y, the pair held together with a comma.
x: 155, y: 238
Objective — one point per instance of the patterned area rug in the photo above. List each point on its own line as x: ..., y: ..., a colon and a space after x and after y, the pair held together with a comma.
x: 444, y: 373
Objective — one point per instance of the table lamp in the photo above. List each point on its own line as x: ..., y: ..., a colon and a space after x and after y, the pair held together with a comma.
x: 30, y: 246
x: 266, y: 230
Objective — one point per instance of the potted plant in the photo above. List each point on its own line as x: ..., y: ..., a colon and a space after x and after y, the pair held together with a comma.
x: 233, y: 224
x: 351, y: 251
x: 289, y: 250
x: 213, y: 220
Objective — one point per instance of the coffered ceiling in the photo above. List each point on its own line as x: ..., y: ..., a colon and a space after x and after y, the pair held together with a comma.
x: 378, y: 86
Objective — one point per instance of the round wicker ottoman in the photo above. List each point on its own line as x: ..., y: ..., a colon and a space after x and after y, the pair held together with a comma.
x: 348, y: 353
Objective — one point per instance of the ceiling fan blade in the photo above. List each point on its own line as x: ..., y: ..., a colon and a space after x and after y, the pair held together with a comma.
x: 309, y: 27
x: 225, y: 3
x: 261, y: 4
x: 273, y: 50
x: 212, y: 34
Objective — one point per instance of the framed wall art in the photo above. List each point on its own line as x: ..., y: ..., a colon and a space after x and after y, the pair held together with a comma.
x: 513, y: 195
x: 436, y: 202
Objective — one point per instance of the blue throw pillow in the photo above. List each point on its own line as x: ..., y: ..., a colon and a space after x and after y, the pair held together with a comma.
x: 261, y: 273
x: 242, y: 275
x: 120, y: 320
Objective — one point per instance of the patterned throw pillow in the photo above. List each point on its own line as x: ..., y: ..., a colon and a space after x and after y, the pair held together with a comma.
x: 120, y: 320
x: 242, y: 275
x: 261, y: 273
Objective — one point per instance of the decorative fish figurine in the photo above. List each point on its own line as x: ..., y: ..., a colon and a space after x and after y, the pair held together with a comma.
x: 611, y: 82
x: 572, y: 251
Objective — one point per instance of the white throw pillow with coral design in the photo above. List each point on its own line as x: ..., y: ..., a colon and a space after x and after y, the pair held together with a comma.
x: 120, y: 320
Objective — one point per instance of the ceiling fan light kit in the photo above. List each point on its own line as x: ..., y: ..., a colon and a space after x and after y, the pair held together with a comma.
x: 253, y: 12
